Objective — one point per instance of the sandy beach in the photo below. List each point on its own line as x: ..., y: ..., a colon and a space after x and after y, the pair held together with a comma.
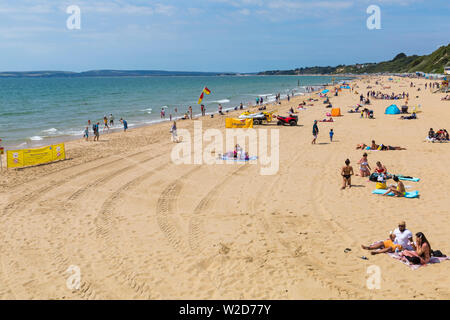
x: 139, y: 226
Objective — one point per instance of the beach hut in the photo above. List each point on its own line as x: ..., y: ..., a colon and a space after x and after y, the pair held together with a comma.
x: 336, y: 112
x: 392, y: 109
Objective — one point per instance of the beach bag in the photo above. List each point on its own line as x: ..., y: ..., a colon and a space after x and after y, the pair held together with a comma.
x: 437, y: 254
x: 373, y: 177
x: 381, y: 185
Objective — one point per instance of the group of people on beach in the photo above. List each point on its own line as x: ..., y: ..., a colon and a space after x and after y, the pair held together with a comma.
x: 381, y: 175
x: 401, y: 241
x: 108, y: 123
x: 384, y: 96
x: 439, y: 136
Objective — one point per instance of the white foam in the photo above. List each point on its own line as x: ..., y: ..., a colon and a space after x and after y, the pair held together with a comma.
x: 50, y: 131
x: 221, y: 101
x: 36, y: 138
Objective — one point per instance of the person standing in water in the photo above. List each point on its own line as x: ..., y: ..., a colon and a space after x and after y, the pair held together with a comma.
x: 105, y: 121
x: 347, y: 173
x: 86, y: 133
x: 96, y: 128
x: 315, y: 132
x: 125, y: 124
x: 111, y: 120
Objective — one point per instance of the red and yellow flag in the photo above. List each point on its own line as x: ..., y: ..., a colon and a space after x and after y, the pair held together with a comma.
x: 200, y: 99
x: 205, y: 90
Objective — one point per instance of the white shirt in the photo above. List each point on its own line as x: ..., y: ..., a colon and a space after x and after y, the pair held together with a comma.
x: 402, y: 238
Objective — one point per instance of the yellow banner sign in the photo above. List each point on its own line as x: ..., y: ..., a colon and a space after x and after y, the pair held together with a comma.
x: 32, y: 157
x: 238, y: 123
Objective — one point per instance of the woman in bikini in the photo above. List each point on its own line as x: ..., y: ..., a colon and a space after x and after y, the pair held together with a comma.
x: 399, y: 191
x: 422, y: 253
x: 380, y: 168
x: 364, y: 168
x: 347, y: 172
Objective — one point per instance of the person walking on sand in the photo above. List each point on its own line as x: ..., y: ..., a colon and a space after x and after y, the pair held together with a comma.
x: 173, y: 130
x: 125, y: 124
x: 331, y: 135
x: 347, y: 173
x: 315, y: 132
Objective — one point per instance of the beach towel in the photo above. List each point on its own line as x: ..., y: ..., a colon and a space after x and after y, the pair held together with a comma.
x: 403, y: 178
x: 405, y: 261
x: 228, y: 158
x: 409, y: 195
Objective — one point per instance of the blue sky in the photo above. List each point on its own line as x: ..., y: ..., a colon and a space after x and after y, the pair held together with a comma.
x: 214, y: 35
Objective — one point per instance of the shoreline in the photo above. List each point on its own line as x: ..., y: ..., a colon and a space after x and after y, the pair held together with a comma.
x: 50, y: 140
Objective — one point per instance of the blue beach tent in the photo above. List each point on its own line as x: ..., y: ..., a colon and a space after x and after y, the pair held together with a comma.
x: 392, y: 109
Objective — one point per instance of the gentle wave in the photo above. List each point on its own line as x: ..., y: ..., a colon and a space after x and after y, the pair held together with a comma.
x: 36, y: 138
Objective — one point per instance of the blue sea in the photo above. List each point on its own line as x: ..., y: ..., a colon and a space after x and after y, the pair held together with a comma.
x: 37, y: 111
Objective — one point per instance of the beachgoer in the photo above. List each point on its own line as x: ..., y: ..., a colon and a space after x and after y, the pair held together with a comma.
x: 173, y: 130
x: 203, y: 110
x: 380, y: 168
x: 331, y: 135
x: 346, y: 173
x: 86, y: 133
x: 398, y: 191
x: 374, y: 146
x: 404, y: 236
x: 364, y: 168
x: 125, y: 124
x: 389, y: 245
x: 105, y: 121
x: 315, y: 132
x: 96, y: 131
x: 422, y: 250
x: 111, y: 120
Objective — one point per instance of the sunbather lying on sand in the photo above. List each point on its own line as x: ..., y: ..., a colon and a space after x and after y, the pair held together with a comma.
x: 411, y: 117
x: 446, y: 98
x: 386, y: 246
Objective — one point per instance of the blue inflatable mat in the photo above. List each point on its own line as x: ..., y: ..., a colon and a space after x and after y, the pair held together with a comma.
x: 410, y: 195
x: 408, y: 179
